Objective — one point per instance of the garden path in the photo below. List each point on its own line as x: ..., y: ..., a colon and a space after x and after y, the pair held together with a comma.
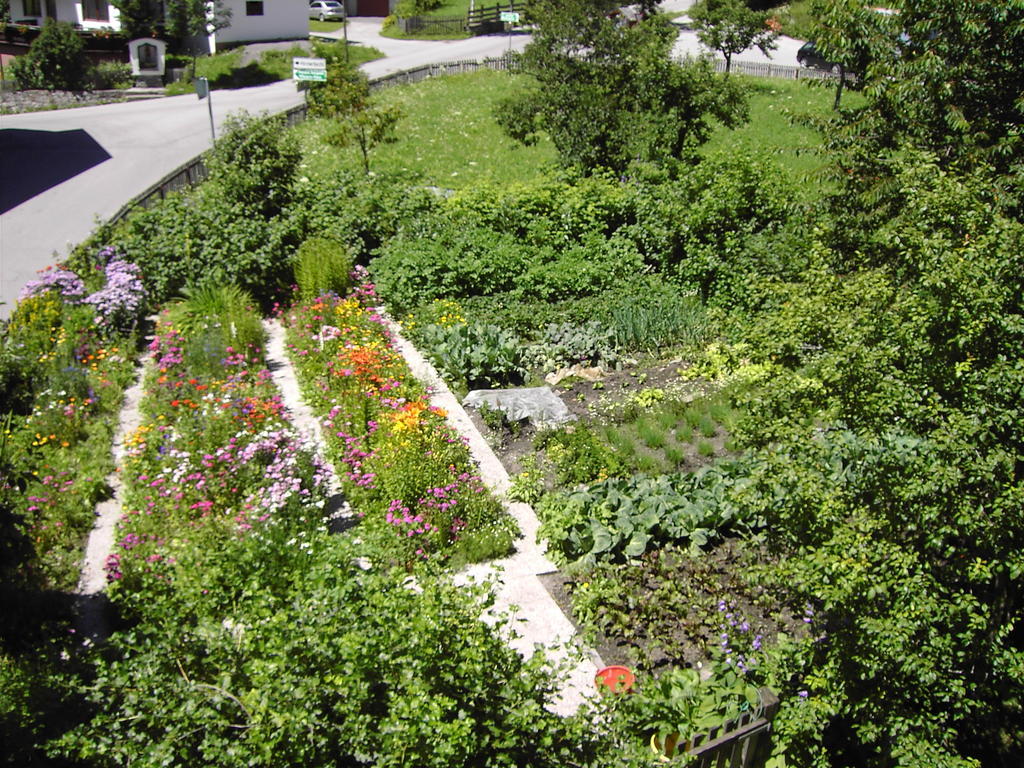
x: 91, y: 614
x: 304, y: 422
x: 537, y: 619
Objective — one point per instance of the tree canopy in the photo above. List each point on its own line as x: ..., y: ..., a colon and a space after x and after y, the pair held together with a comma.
x: 610, y: 95
x: 731, y: 27
x: 942, y: 75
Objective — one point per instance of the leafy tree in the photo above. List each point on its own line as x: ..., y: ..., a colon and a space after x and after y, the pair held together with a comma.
x: 140, y: 18
x: 610, y: 95
x: 941, y: 75
x: 895, y: 498
x: 730, y: 27
x: 196, y: 18
x: 345, y: 99
x: 55, y: 61
x: 647, y: 8
x: 254, y: 163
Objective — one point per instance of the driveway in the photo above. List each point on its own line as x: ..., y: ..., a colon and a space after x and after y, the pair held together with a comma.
x: 407, y: 54
x: 95, y: 160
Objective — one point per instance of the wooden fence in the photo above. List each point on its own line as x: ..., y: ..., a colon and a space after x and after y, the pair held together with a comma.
x: 781, y: 71
x: 433, y: 25
x: 483, y: 20
x: 478, y: 21
x: 741, y: 743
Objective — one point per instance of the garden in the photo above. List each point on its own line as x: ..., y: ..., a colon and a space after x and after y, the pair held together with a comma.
x: 792, y: 458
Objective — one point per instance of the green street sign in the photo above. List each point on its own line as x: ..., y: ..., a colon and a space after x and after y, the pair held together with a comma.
x: 309, y: 69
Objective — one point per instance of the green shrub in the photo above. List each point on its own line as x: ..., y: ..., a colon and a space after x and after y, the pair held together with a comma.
x: 199, y: 236
x: 186, y: 241
x: 217, y: 321
x: 363, y: 213
x: 578, y: 455
x: 698, y: 227
x: 622, y: 518
x: 549, y: 212
x: 322, y: 266
x: 279, y: 649
x: 455, y: 262
x: 407, y: 8
x: 461, y: 260
x: 253, y: 163
x: 566, y: 344
x: 110, y: 74
x: 474, y: 355
x: 593, y: 265
x: 55, y: 61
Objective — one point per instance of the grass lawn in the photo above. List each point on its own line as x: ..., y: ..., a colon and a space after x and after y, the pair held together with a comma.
x: 773, y: 106
x: 447, y: 9
x: 448, y: 136
x: 455, y: 8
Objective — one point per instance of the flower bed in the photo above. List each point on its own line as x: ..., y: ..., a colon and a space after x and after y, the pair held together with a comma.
x: 407, y: 473
x: 214, y: 459
x: 255, y: 636
x: 67, y: 356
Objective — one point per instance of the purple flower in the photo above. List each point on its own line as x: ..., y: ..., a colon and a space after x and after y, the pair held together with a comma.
x: 66, y: 283
x: 121, y: 302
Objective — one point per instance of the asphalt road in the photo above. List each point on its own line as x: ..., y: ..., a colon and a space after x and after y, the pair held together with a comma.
x: 62, y: 170
x: 75, y: 166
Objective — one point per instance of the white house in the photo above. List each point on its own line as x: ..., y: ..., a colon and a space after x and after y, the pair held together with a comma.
x: 251, y: 20
x: 87, y: 14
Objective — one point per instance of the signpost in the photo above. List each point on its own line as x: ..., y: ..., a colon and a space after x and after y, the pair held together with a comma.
x: 203, y: 92
x: 309, y: 70
x: 509, y: 17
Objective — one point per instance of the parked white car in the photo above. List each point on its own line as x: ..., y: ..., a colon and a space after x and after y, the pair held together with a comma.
x: 327, y: 10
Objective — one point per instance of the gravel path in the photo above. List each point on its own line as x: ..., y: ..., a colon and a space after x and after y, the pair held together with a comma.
x: 91, y: 604
x: 537, y: 618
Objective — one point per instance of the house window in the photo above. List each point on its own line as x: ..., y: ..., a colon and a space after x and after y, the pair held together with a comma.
x: 31, y: 7
x: 254, y: 8
x: 95, y: 10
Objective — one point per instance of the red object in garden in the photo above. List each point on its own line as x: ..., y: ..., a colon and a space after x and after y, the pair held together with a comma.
x: 614, y: 679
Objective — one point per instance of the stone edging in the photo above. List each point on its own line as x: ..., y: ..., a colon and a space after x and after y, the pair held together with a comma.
x: 90, y: 604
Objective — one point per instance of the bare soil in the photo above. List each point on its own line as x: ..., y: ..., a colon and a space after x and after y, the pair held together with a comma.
x: 666, y: 610
x: 591, y: 401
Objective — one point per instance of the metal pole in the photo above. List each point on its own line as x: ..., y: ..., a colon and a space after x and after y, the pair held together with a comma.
x: 209, y: 107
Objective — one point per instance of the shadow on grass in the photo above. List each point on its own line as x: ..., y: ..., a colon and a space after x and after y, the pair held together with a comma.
x: 244, y: 77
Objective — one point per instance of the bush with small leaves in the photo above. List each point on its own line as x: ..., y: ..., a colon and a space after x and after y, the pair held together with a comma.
x: 55, y: 61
